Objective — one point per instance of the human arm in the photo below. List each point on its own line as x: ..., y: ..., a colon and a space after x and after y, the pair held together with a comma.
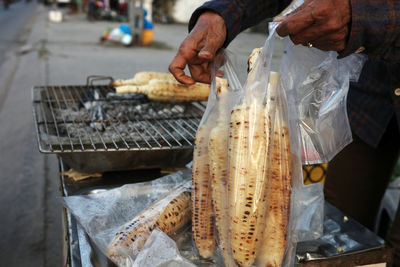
x: 347, y: 26
x: 213, y: 26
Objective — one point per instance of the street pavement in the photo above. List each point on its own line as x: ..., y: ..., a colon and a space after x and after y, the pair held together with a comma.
x: 34, y: 51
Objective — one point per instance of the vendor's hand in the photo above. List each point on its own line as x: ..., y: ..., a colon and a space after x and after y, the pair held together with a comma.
x: 199, y: 49
x: 323, y: 24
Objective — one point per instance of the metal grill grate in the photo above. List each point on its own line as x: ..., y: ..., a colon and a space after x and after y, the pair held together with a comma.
x: 94, y: 118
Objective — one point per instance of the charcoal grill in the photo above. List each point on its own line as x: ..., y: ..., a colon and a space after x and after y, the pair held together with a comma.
x: 94, y: 130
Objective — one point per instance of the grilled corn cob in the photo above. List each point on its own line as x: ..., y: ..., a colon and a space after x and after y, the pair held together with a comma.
x: 164, y: 90
x: 171, y: 90
x: 168, y: 214
x: 249, y: 141
x: 138, y: 89
x: 161, y: 90
x: 203, y: 216
x: 144, y: 77
x: 123, y: 82
x: 218, y: 153
x: 278, y: 191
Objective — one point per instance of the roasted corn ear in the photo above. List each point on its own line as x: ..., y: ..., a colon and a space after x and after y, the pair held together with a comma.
x: 203, y: 215
x: 161, y: 90
x: 278, y: 190
x: 218, y: 153
x: 171, y: 90
x: 138, y: 89
x: 144, y: 77
x: 169, y: 214
x: 248, y: 145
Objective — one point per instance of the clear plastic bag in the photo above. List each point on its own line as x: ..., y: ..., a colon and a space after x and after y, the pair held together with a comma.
x: 119, y: 221
x: 251, y: 144
x: 247, y: 176
x: 317, y: 83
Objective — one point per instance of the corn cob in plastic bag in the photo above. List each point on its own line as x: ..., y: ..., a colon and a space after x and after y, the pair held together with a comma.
x: 120, y: 220
x: 255, y: 172
x: 169, y: 214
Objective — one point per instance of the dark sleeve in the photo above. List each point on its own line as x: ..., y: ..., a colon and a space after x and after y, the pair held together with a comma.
x: 240, y: 14
x: 375, y: 29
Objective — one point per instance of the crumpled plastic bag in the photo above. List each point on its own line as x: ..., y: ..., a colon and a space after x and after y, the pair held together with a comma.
x: 160, y: 251
x: 103, y: 214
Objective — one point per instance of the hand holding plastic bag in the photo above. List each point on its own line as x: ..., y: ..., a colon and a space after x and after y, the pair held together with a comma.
x: 277, y: 121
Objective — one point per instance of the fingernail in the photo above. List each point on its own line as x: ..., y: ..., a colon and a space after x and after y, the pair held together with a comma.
x: 204, y: 54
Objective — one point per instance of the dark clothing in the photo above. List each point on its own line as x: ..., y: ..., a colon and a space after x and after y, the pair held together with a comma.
x: 357, y: 176
x: 357, y: 179
x: 240, y: 15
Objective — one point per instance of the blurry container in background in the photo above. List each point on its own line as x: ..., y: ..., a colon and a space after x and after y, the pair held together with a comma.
x: 147, y: 36
x: 55, y: 16
x: 148, y: 32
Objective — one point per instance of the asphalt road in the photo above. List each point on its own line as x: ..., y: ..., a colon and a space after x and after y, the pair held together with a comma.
x: 30, y: 215
x: 13, y: 23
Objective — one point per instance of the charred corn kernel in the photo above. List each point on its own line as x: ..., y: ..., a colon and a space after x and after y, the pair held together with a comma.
x: 203, y: 216
x: 247, y: 180
x: 278, y: 190
x: 124, y: 89
x: 168, y: 214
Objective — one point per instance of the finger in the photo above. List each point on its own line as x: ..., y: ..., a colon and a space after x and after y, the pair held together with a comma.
x: 300, y: 8
x: 177, y: 67
x: 330, y: 45
x: 332, y: 41
x: 279, y: 18
x: 296, y: 22
x: 320, y: 33
x: 220, y: 73
x: 201, y: 73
